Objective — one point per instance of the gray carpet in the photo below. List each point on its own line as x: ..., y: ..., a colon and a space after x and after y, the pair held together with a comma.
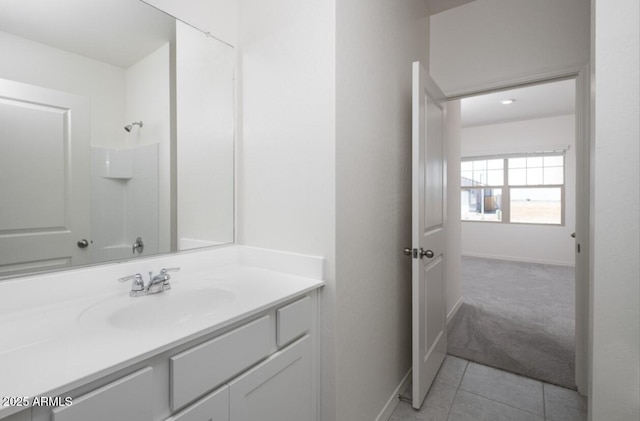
x: 517, y: 317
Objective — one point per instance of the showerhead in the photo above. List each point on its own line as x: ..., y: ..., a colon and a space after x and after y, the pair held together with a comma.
x: 130, y: 126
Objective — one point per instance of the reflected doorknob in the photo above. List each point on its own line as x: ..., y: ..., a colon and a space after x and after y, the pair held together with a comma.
x: 138, y: 245
x: 426, y: 253
x: 407, y: 251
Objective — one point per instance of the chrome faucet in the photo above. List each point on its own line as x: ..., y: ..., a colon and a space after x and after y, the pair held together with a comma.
x: 156, y: 284
x: 160, y: 282
x: 138, y: 287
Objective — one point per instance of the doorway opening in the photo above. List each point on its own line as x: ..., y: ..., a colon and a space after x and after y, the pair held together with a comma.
x: 522, y: 169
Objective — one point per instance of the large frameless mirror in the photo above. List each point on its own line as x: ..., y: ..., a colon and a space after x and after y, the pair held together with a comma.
x: 116, y: 132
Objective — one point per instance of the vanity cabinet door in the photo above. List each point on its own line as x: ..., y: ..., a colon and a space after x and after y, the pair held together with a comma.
x: 127, y: 399
x: 279, y: 389
x: 213, y: 407
x: 20, y: 416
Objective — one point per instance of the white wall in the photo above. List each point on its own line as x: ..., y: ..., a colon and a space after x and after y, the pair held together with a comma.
x: 376, y: 43
x: 30, y: 62
x: 523, y: 242
x: 490, y: 41
x: 205, y: 138
x: 615, y: 212
x: 133, y: 201
x: 148, y: 98
x: 287, y: 150
x: 286, y: 145
x: 311, y: 183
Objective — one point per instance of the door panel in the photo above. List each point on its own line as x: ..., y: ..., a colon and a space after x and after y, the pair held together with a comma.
x: 433, y: 178
x: 32, y: 166
x: 44, y: 210
x: 428, y: 210
x: 434, y: 277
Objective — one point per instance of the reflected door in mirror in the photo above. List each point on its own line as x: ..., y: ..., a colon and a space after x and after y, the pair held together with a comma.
x: 44, y: 209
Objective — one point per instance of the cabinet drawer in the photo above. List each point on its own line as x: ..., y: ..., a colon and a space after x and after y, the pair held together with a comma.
x: 127, y: 399
x: 213, y: 407
x: 206, y: 366
x: 293, y: 320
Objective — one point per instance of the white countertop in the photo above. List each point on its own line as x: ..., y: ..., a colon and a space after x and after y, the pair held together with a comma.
x: 56, y: 335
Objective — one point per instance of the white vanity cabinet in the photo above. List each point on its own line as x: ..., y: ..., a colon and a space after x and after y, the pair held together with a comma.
x: 236, y: 338
x: 260, y: 368
x: 129, y: 398
x: 277, y: 389
x: 282, y: 386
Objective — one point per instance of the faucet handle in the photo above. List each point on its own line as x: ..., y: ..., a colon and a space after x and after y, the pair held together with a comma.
x: 165, y: 270
x: 138, y: 282
x: 128, y: 278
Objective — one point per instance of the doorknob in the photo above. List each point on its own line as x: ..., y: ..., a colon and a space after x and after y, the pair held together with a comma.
x: 428, y: 254
x: 407, y: 251
x: 573, y: 235
x: 83, y: 243
x: 138, y: 245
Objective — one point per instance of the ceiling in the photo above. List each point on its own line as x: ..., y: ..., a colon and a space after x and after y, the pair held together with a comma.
x: 437, y: 6
x: 538, y: 101
x: 119, y: 32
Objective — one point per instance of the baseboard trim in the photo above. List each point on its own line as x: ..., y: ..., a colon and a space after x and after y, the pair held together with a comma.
x: 454, y: 310
x: 519, y: 259
x: 393, y: 401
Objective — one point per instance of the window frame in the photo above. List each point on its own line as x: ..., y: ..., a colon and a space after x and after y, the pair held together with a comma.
x: 505, y: 187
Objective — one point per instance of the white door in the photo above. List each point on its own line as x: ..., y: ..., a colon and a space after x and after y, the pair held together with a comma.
x: 44, y: 178
x: 428, y: 213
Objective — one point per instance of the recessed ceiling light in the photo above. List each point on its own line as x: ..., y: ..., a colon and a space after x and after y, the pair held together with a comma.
x: 507, y: 101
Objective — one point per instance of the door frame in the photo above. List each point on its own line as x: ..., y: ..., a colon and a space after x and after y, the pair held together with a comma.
x: 584, y: 144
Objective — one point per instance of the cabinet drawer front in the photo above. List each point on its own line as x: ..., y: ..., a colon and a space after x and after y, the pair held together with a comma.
x: 202, y: 368
x: 278, y: 389
x: 213, y: 407
x: 293, y: 320
x: 127, y: 399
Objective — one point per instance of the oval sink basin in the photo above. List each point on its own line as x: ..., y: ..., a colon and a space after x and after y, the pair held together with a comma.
x: 162, y: 310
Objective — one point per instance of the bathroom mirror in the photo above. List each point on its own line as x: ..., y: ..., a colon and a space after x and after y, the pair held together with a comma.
x: 116, y: 134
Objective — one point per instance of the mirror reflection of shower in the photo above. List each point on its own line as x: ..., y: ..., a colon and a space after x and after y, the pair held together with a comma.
x: 130, y: 126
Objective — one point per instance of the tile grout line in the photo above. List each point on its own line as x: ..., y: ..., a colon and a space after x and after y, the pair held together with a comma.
x: 544, y: 415
x: 502, y: 403
x: 457, y: 389
x: 544, y: 403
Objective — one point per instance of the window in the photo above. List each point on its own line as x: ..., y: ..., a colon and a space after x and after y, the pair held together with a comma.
x: 524, y: 189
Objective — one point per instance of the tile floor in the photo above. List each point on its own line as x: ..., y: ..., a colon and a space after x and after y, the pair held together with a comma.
x: 466, y: 391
